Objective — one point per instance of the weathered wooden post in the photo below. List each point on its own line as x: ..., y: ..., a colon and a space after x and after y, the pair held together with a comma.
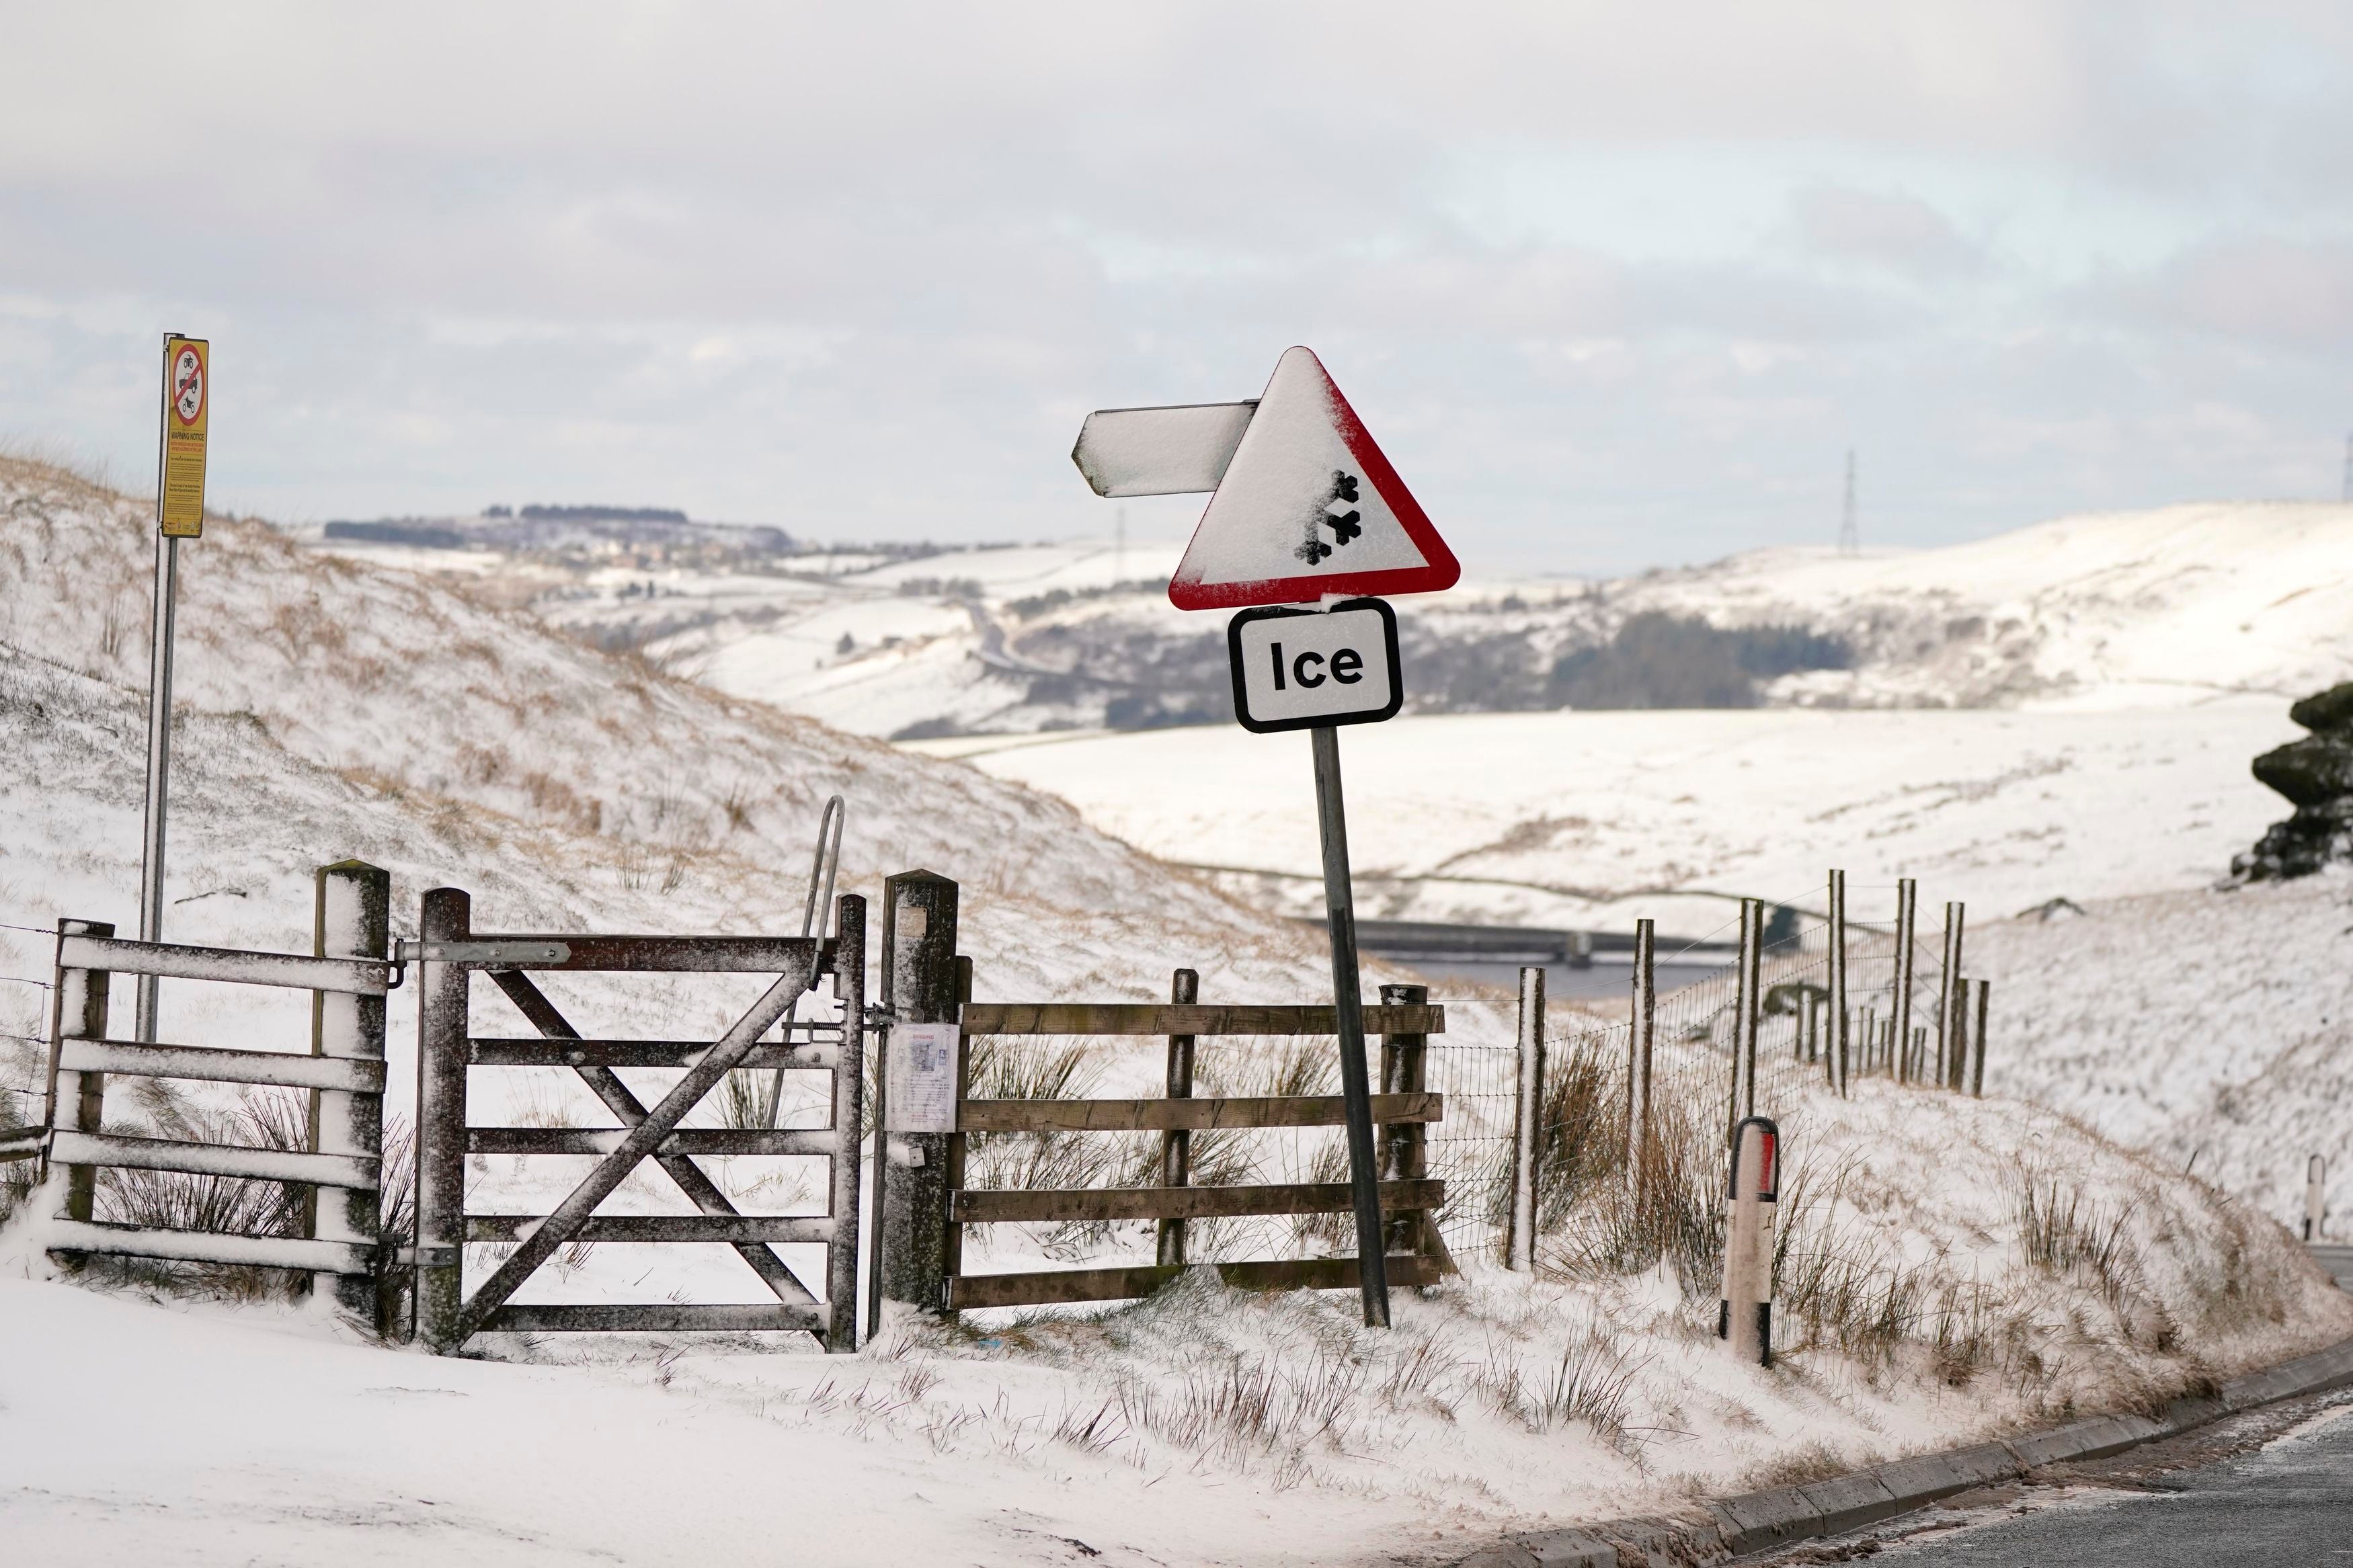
x: 1638, y: 1047
x: 1978, y: 1043
x: 443, y: 1050
x: 1405, y: 1145
x: 1177, y: 1143
x: 443, y: 1028
x: 912, y: 1249
x: 1951, y: 1021
x: 1835, y: 1062
x: 1907, y: 896
x: 1746, y: 1005
x: 77, y: 1012
x: 351, y: 918
x: 1527, y: 1125
x: 1745, y: 1312
x: 2316, y: 1198
x: 849, y: 1108
x: 1869, y: 1034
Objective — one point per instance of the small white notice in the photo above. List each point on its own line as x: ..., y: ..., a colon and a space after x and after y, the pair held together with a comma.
x: 1298, y: 669
x: 919, y: 1092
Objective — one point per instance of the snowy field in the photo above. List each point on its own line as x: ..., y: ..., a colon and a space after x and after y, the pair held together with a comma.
x: 1595, y: 819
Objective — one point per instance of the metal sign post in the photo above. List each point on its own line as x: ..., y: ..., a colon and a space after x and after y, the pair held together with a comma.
x: 179, y: 514
x: 1347, y: 1000
x: 1306, y: 513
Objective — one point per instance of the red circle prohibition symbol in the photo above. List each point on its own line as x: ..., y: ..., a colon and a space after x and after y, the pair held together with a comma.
x: 187, y: 385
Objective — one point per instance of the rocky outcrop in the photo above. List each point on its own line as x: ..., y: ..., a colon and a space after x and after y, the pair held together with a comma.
x: 2315, y: 774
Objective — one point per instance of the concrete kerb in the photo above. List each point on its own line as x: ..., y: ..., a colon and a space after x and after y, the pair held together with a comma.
x: 1755, y: 1521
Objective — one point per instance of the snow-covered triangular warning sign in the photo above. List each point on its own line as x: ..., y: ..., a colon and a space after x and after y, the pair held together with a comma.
x: 1309, y: 507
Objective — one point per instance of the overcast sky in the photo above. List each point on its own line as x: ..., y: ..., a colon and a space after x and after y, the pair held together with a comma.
x: 1614, y: 285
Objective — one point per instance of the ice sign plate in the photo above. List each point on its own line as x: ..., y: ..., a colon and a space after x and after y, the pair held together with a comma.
x: 1299, y: 669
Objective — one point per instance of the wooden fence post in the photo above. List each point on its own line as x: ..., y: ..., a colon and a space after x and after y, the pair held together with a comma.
x: 1177, y: 1143
x: 1527, y: 1129
x: 913, y: 1255
x: 1978, y: 1043
x: 1746, y: 1004
x: 1638, y: 1036
x: 1907, y: 896
x: 1405, y: 1149
x: 351, y: 918
x: 1835, y: 1063
x: 77, y: 1012
x: 1951, y: 1019
x: 443, y: 1028
x: 848, y: 1106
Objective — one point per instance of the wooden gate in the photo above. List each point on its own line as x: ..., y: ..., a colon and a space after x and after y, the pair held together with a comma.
x: 1410, y: 1198
x: 449, y: 951
x: 343, y: 1071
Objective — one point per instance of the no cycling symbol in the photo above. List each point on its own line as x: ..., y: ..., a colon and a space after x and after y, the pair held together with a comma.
x: 187, y: 385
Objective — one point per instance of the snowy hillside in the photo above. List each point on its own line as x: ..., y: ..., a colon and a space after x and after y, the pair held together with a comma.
x: 2141, y: 608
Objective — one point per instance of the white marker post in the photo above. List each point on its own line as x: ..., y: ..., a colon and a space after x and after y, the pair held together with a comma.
x: 179, y: 514
x: 1745, y: 1313
x: 1306, y: 511
x: 2315, y: 1197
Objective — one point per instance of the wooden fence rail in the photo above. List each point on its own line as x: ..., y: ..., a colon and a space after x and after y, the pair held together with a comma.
x: 344, y: 1074
x: 1408, y: 1196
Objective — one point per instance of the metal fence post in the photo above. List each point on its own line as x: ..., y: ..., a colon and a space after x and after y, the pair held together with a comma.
x: 1746, y: 1004
x: 2315, y: 1197
x: 1639, y: 1036
x: 443, y: 1031
x: 1744, y: 1312
x: 1950, y: 1020
x: 1177, y: 1143
x: 1978, y: 1043
x: 848, y: 1110
x: 911, y: 1250
x: 1835, y: 1063
x: 1907, y: 894
x: 1527, y: 1129
x: 77, y: 1012
x: 351, y: 918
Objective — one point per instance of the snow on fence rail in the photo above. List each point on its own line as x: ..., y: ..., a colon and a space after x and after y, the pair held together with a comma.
x: 344, y: 1074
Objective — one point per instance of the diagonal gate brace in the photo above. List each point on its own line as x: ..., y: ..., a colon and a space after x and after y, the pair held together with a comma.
x: 568, y: 1217
x: 699, y: 1188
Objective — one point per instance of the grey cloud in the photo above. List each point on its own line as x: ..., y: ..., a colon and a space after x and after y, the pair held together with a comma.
x: 1901, y: 233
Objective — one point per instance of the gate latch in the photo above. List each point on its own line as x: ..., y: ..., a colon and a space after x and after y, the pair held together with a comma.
x: 493, y: 954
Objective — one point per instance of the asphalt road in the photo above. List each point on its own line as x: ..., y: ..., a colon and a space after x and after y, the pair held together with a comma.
x: 2287, y: 1502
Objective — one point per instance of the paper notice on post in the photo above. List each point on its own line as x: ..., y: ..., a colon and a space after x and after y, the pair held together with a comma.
x: 920, y: 1092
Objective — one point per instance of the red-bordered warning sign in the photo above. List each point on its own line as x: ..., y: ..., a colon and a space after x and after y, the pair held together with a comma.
x: 1309, y: 508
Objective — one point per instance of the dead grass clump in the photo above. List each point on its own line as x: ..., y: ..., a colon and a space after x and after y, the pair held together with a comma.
x: 1669, y: 1209
x: 224, y: 1206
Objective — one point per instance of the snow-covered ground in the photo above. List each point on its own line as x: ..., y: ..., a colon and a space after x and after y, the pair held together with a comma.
x: 1205, y: 1427
x: 335, y: 708
x: 1595, y: 819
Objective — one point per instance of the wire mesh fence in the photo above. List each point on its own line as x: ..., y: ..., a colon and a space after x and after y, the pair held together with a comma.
x: 1698, y: 1077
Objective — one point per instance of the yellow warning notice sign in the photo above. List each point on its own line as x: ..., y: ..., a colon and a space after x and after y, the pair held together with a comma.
x: 188, y: 408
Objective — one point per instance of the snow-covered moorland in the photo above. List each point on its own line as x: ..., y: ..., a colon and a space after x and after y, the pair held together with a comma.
x: 2029, y: 1267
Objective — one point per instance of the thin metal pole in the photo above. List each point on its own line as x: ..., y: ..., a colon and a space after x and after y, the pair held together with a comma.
x: 1638, y: 1067
x: 1340, y: 908
x: 1836, y: 1063
x: 1908, y: 894
x: 159, y: 765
